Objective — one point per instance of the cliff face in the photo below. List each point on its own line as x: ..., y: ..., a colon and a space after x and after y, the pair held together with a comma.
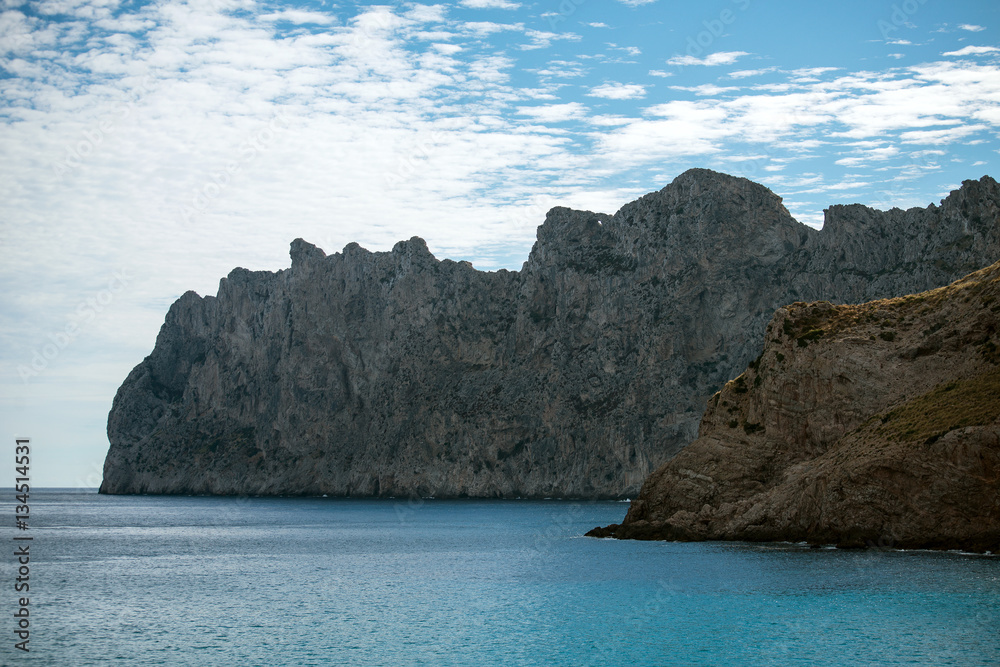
x: 394, y: 373
x: 862, y: 425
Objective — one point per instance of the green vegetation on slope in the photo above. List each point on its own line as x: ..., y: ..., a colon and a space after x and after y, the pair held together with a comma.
x: 971, y: 402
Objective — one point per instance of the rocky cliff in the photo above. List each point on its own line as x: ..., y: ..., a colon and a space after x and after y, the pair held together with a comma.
x: 394, y: 373
x: 862, y: 425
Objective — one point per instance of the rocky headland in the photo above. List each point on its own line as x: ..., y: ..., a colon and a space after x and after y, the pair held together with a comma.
x: 393, y: 373
x: 869, y: 425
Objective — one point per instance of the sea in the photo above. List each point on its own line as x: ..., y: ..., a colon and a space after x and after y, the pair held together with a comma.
x: 178, y: 580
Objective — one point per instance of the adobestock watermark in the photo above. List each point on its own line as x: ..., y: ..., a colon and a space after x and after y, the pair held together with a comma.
x: 530, y: 217
x: 95, y: 476
x: 94, y: 136
x: 405, y: 511
x: 753, y: 165
x: 219, y: 180
x: 564, y: 10
x: 414, y: 502
x: 714, y: 28
x: 883, y: 543
x: 84, y: 313
x: 407, y: 167
x: 791, y: 633
x: 658, y: 602
x: 368, y: 25
x: 561, y: 526
x: 899, y: 17
x: 919, y: 164
x: 749, y: 166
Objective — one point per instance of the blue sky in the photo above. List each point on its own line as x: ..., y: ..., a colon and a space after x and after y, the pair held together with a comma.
x: 147, y: 148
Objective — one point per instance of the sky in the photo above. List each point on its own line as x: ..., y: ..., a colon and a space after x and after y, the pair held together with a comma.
x: 148, y: 148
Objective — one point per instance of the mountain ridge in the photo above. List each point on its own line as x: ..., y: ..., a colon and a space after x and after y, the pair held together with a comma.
x: 394, y: 373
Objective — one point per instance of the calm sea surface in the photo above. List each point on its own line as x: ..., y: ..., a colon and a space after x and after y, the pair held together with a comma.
x: 291, y: 581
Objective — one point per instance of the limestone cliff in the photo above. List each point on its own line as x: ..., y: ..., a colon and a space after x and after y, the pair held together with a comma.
x: 862, y: 425
x: 393, y: 373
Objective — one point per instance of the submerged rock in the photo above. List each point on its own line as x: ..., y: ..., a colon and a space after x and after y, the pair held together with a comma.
x: 394, y: 373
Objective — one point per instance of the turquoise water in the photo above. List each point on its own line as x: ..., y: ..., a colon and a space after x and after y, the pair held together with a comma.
x: 287, y: 581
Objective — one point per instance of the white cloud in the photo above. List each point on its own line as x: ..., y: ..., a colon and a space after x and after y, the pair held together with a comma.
x: 860, y: 106
x: 554, y: 113
x: 706, y: 89
x: 938, y: 137
x: 427, y: 13
x: 744, y: 73
x: 448, y: 49
x: 865, y: 157
x: 679, y: 128
x: 485, y: 28
x: 835, y: 187
x: 598, y: 25
x: 973, y: 51
x: 562, y: 69
x: 618, y: 91
x: 608, y: 120
x: 804, y: 180
x: 847, y: 185
x: 636, y: 3
x: 490, y: 4
x: 541, y: 39
x: 753, y: 157
x: 660, y: 73
x: 298, y: 16
x: 628, y: 50
x: 813, y: 71
x: 17, y: 33
x: 711, y: 60
x: 971, y: 27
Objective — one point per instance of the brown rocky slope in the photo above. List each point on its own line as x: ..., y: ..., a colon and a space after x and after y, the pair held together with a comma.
x: 876, y: 424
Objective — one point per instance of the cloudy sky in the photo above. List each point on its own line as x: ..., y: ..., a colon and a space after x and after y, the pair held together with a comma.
x: 147, y: 148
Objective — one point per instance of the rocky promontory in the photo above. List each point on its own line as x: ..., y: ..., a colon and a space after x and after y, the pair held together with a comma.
x: 870, y: 425
x: 394, y: 373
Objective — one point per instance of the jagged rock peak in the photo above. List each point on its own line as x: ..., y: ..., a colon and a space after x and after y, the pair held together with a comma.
x: 695, y: 184
x: 711, y: 201
x: 698, y: 180
x: 304, y: 253
x: 414, y: 247
x: 847, y: 219
x: 986, y: 188
x: 565, y: 233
